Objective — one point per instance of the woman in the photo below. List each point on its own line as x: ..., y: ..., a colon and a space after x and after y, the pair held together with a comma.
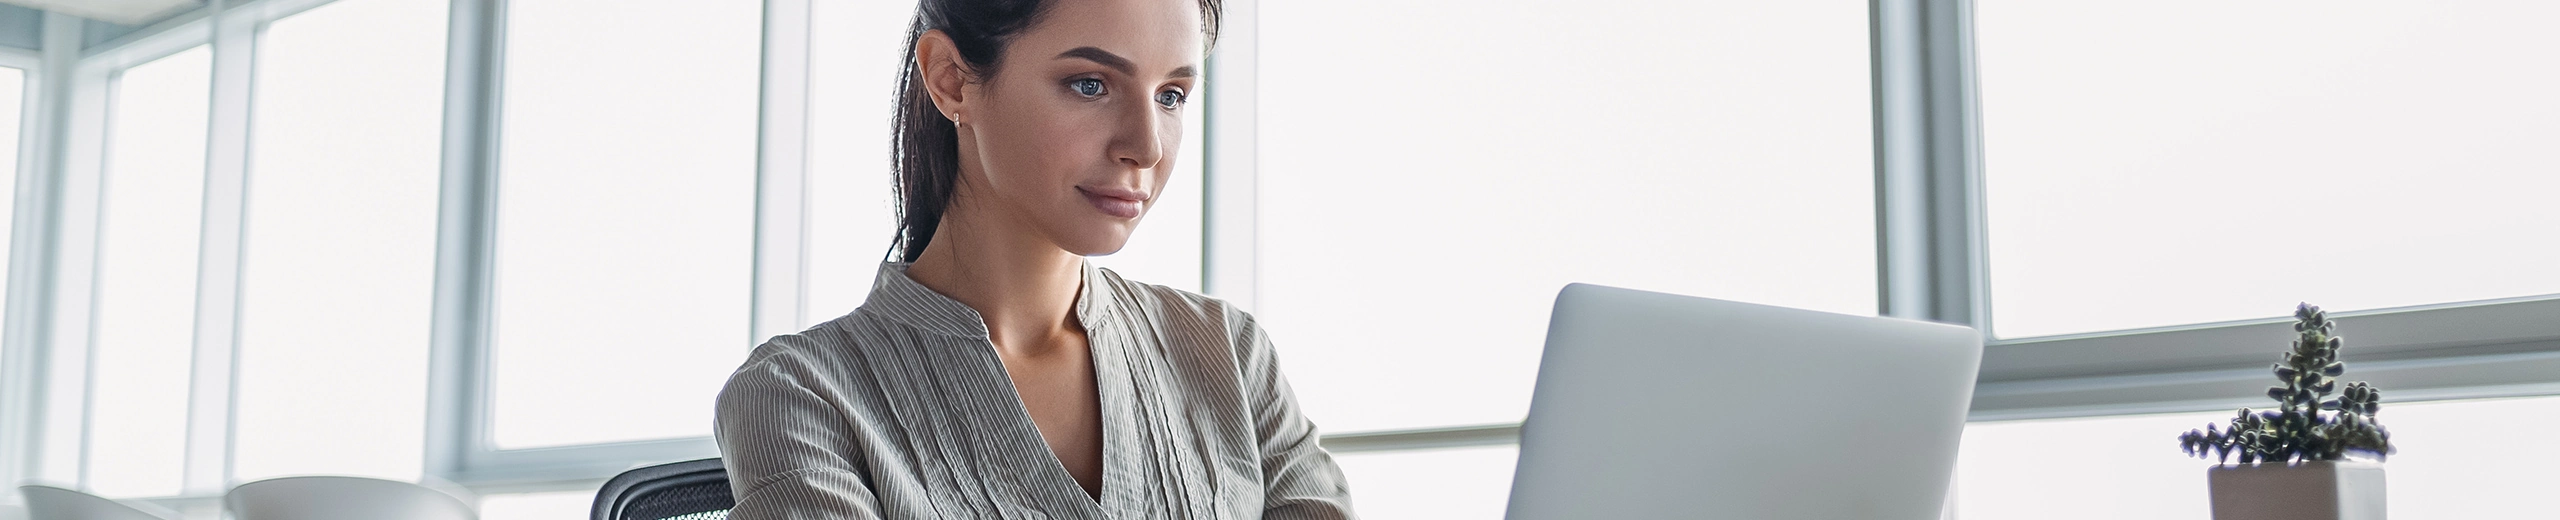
x: 994, y: 373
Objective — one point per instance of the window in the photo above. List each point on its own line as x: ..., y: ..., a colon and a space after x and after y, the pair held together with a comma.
x: 857, y: 49
x: 144, y: 322
x: 538, y: 506
x: 626, y: 218
x: 1420, y: 208
x: 2449, y: 465
x: 340, y: 241
x: 1440, y: 484
x: 2146, y: 166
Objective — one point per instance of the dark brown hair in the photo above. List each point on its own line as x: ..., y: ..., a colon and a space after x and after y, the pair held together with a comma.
x: 926, y: 145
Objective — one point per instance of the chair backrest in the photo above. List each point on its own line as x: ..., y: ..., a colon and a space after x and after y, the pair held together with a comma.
x: 689, y: 490
x: 53, y: 503
x: 342, y: 498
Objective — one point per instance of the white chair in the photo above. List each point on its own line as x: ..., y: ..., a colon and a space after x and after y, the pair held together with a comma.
x: 343, y: 498
x: 53, y: 503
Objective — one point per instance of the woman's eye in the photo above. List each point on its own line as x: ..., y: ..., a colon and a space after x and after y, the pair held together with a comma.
x: 1087, y: 87
x: 1170, y: 98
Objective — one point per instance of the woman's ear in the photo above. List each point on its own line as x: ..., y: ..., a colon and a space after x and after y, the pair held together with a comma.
x: 945, y: 78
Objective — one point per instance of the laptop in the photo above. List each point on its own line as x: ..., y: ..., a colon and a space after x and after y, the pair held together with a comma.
x: 1653, y: 405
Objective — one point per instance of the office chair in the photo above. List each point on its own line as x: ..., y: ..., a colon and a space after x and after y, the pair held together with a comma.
x: 341, y: 498
x: 53, y: 503
x: 689, y: 490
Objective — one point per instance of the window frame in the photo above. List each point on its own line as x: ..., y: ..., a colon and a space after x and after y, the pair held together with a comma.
x: 17, y: 364
x: 2452, y: 350
x: 1930, y: 234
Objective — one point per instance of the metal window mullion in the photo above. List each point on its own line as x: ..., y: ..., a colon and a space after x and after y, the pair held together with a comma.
x: 35, y: 412
x: 17, y: 374
x: 71, y: 304
x: 457, y: 406
x: 212, y: 393
x: 1423, y: 438
x: 19, y: 377
x: 1229, y: 239
x: 779, y: 301
x: 1928, y: 214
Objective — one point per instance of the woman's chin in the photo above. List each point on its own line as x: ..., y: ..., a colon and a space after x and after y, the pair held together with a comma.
x: 1098, y: 243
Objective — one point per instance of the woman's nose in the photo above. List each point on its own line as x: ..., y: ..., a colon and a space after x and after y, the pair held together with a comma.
x: 1139, y: 143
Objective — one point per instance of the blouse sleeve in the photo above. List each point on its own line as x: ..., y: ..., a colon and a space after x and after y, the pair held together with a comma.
x: 789, y: 453
x: 1299, y: 478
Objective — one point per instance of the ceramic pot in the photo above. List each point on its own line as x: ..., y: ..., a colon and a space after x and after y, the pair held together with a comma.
x: 2326, y: 490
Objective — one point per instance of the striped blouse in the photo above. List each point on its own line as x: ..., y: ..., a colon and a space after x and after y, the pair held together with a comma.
x: 902, y: 410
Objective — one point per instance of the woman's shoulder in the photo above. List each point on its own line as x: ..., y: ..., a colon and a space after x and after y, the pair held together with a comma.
x: 820, y: 349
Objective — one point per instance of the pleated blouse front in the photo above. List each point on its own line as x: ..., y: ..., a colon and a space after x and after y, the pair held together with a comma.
x: 902, y: 410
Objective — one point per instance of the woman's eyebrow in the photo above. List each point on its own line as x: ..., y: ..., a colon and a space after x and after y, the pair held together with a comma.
x: 1115, y: 62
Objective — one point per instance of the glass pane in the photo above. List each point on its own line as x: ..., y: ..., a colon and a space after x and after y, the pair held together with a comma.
x: 2463, y: 459
x: 568, y: 505
x: 340, y: 265
x: 2030, y: 469
x: 858, y: 47
x: 1440, y: 484
x: 143, y: 334
x: 1421, y: 208
x: 2147, y: 166
x: 626, y: 214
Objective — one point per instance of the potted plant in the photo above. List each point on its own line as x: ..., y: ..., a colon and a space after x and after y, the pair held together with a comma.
x: 2311, y: 457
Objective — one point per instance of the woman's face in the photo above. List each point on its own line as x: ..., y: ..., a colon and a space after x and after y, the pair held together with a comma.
x: 1073, y: 138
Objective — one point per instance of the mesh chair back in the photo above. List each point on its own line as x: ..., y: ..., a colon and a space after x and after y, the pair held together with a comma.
x: 689, y: 490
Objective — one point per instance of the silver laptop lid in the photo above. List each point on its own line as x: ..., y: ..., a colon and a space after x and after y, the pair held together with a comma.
x: 1653, y: 405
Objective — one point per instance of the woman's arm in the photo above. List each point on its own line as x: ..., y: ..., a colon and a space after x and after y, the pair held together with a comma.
x: 1299, y: 478
x: 789, y: 453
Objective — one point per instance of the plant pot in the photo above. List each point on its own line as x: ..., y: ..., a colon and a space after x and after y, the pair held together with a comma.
x: 2299, y: 491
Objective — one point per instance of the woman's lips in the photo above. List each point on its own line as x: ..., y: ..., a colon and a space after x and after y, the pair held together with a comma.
x: 1116, y: 202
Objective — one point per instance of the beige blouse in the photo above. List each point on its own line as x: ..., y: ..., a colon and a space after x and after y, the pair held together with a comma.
x: 902, y: 410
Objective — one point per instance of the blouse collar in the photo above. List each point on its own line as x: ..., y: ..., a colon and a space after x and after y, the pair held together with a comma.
x: 899, y: 298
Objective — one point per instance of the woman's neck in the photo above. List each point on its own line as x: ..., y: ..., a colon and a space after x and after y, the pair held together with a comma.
x: 1022, y: 285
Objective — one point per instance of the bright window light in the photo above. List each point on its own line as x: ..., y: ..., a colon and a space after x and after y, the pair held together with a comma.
x: 538, y: 506
x: 2190, y: 161
x: 856, y: 48
x: 339, y: 273
x: 144, y: 327
x: 1436, y: 484
x: 2129, y: 464
x: 626, y: 217
x: 1431, y: 175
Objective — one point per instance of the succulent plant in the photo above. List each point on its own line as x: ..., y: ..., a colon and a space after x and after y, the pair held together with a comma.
x: 2297, y: 429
